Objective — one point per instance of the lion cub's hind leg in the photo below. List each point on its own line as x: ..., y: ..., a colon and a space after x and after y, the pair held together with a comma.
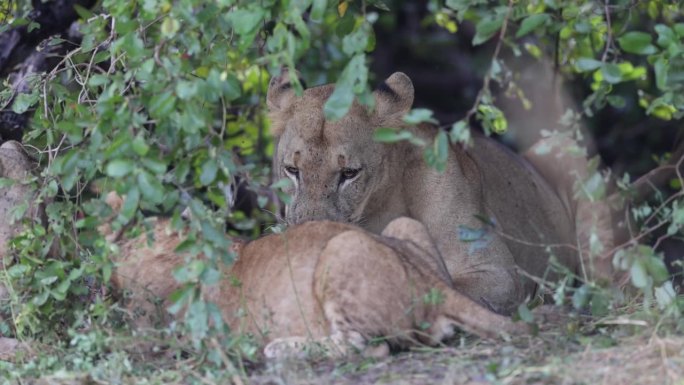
x: 364, y: 292
x: 353, y: 282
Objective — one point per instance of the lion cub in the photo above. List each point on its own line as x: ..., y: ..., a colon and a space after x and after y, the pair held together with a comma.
x: 323, y: 284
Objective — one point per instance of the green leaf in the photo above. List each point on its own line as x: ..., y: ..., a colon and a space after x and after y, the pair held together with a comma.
x: 169, y: 27
x: 486, y: 28
x: 637, y: 43
x: 210, y: 276
x: 132, y: 45
x: 525, y: 314
x: 616, y: 101
x: 580, y: 298
x: 16, y: 271
x: 379, y: 4
x: 639, y: 275
x: 139, y: 146
x: 587, y: 64
x: 40, y: 299
x: 6, y: 182
x: 419, y: 115
x: 436, y: 155
x: 338, y: 104
x: 281, y: 184
x: 187, y: 246
x: 23, y: 102
x: 345, y: 26
x: 666, y: 35
x: 531, y: 23
x: 442, y: 146
x: 679, y: 29
x: 245, y: 21
x: 98, y: 80
x: 119, y: 167
x: 186, y: 89
x: 460, y: 132
x: 230, y: 86
x: 150, y: 187
x: 190, y: 272
x: 156, y: 166
x: 214, y: 235
x: 600, y: 303
x: 459, y: 5
x: 318, y: 10
x: 665, y: 295
x: 197, y: 319
x: 492, y: 118
x: 433, y: 297
x: 390, y: 135
x: 161, y: 105
x: 180, y: 297
x: 660, y: 68
x: 357, y: 41
x: 83, y: 13
x: 130, y: 205
x: 209, y: 170
x: 656, y: 269
x: 353, y: 81
x: 611, y: 73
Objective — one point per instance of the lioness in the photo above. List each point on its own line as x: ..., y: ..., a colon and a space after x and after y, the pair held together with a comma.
x: 489, y: 213
x: 329, y: 283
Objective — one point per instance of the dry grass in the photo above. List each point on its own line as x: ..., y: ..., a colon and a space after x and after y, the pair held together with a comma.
x: 546, y: 359
x: 563, y: 353
x: 569, y: 350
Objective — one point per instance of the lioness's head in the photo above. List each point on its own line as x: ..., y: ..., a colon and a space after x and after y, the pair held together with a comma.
x: 335, y: 167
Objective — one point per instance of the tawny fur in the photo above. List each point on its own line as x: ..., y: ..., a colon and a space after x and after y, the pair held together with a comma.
x: 322, y: 284
x: 529, y: 210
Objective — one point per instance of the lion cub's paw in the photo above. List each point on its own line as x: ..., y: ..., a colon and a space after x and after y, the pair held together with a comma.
x: 302, y: 348
x: 288, y: 348
x: 329, y: 347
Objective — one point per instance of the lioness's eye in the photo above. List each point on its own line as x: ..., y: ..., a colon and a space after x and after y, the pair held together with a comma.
x: 350, y: 173
x: 293, y: 171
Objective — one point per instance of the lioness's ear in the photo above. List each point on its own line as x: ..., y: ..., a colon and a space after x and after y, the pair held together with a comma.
x: 280, y: 90
x: 394, y: 98
x: 278, y: 99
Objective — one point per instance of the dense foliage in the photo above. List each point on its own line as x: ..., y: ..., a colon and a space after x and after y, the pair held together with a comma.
x: 164, y: 102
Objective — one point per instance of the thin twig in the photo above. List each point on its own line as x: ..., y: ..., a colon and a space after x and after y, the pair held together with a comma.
x: 495, y: 55
x: 536, y: 244
x: 609, y: 38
